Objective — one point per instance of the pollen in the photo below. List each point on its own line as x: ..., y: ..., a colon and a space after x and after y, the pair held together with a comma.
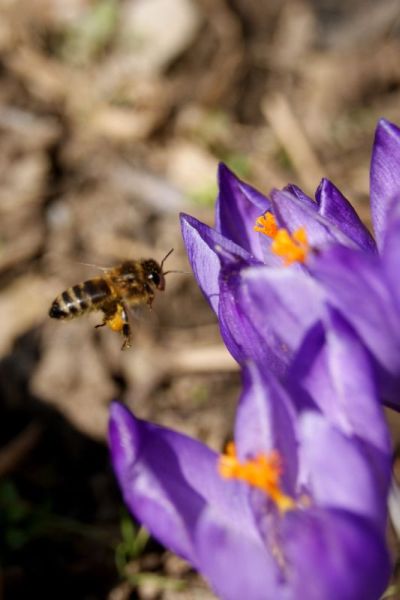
x: 266, y: 224
x: 264, y: 472
x: 116, y: 322
x: 291, y: 247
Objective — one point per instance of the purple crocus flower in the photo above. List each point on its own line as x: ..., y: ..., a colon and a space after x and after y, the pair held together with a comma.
x: 297, y: 508
x: 268, y: 290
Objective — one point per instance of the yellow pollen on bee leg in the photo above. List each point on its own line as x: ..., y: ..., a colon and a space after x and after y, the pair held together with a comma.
x: 116, y: 322
x: 263, y: 472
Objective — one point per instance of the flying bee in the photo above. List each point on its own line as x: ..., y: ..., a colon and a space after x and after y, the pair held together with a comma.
x: 132, y: 283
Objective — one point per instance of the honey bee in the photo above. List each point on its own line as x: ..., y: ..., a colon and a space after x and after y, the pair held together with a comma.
x: 129, y: 284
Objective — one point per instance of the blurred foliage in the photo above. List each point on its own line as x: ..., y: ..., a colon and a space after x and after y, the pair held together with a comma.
x: 132, y: 545
x: 128, y: 552
x: 88, y: 38
x: 239, y: 164
x: 17, y: 522
x: 204, y: 196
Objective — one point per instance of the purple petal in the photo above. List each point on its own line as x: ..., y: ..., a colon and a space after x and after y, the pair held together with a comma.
x: 202, y: 243
x: 334, y: 555
x: 355, y: 285
x: 355, y: 384
x: 337, y: 472
x: 338, y: 210
x: 237, y: 209
x: 298, y: 193
x: 384, y: 177
x: 236, y: 561
x: 167, y: 480
x: 265, y: 421
x: 291, y: 213
x: 240, y: 333
x: 341, y: 369
x: 282, y: 304
x: 391, y: 251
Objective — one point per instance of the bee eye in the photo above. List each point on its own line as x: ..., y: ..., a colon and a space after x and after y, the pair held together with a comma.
x: 155, y: 278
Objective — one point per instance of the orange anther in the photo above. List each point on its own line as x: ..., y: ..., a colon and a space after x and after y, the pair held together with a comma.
x: 266, y: 224
x: 263, y: 472
x: 291, y: 247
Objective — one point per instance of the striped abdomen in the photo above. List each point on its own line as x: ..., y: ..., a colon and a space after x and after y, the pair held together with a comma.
x: 81, y: 298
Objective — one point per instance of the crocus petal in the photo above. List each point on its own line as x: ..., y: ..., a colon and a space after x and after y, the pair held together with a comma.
x: 334, y: 555
x: 292, y: 213
x: 336, y: 471
x: 354, y: 383
x: 338, y: 210
x: 237, y: 209
x: 282, y: 304
x: 298, y: 193
x: 355, y: 285
x: 384, y: 177
x: 265, y: 421
x: 167, y: 479
x: 391, y: 251
x: 238, y: 331
x: 235, y: 561
x: 339, y: 377
x: 202, y: 243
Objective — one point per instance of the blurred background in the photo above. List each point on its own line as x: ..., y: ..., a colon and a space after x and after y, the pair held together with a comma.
x: 113, y: 117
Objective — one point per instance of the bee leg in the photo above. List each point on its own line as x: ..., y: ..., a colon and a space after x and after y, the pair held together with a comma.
x: 150, y: 301
x: 110, y: 311
x: 126, y: 329
x: 126, y: 332
x: 116, y: 318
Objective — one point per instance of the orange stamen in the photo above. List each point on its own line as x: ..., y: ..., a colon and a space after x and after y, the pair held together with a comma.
x: 263, y: 472
x: 290, y: 247
x: 266, y: 224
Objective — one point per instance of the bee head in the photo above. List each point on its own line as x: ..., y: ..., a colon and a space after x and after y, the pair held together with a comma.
x: 154, y: 274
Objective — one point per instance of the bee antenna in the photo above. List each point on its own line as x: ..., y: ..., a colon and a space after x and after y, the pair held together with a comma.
x: 165, y: 257
x: 182, y: 272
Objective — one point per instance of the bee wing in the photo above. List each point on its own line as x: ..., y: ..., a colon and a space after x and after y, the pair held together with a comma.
x: 103, y: 269
x: 138, y: 313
